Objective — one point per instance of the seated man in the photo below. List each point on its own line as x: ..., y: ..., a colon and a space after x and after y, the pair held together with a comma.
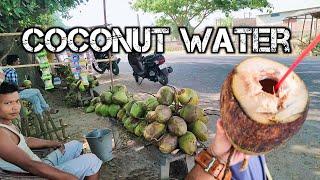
x: 32, y: 95
x: 219, y: 149
x: 66, y: 162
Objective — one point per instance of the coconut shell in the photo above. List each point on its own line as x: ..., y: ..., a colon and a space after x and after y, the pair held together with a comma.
x: 168, y: 143
x: 177, y: 126
x: 163, y: 113
x: 165, y: 95
x: 247, y: 135
x: 153, y: 131
x: 151, y: 116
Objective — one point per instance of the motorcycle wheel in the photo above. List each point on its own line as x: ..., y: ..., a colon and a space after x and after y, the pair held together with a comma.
x: 103, y: 69
x: 163, y: 79
x: 136, y: 77
x: 115, y: 68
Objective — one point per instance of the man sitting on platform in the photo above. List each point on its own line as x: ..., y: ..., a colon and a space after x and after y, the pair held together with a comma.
x: 32, y: 95
x: 66, y: 162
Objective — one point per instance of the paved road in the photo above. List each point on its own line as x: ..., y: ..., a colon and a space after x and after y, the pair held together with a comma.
x: 206, y: 73
x: 297, y: 159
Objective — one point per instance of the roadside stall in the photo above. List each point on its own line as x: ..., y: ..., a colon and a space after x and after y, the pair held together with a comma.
x: 309, y: 17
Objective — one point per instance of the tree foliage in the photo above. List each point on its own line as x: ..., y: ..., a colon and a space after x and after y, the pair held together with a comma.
x: 18, y: 14
x: 182, y: 12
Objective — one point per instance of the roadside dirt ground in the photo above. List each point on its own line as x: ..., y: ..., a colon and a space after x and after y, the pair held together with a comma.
x: 297, y: 159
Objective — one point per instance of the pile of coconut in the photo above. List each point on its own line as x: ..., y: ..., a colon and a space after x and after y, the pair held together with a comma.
x: 171, y: 119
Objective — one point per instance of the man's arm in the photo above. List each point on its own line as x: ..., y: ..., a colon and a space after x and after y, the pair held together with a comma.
x: 219, y: 148
x: 35, y: 143
x: 10, y: 152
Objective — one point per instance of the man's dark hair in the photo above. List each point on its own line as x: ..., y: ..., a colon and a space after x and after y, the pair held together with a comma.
x: 6, y: 88
x: 11, y: 59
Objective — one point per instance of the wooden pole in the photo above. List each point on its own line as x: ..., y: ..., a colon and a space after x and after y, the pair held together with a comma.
x: 52, y: 64
x: 109, y: 56
x: 10, y: 34
x: 316, y: 30
x: 304, y: 22
x: 310, y: 36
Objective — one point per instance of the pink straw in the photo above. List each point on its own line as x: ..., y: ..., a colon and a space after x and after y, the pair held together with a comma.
x: 306, y: 51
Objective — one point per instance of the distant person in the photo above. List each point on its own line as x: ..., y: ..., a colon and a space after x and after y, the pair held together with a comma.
x: 66, y: 162
x: 219, y: 150
x: 32, y: 95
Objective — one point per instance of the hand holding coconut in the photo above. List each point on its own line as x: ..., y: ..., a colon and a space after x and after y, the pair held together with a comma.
x: 220, y: 147
x: 257, y: 118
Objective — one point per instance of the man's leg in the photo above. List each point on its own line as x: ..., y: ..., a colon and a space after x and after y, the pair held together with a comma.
x: 71, y: 150
x: 31, y: 96
x: 43, y: 102
x: 85, y: 166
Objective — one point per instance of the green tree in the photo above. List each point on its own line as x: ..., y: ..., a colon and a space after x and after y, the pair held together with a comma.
x: 18, y: 14
x: 182, y: 12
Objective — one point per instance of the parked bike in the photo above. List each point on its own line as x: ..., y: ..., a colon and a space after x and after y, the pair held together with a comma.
x: 103, y: 66
x: 150, y: 67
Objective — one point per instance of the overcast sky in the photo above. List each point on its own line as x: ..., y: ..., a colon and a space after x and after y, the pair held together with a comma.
x: 120, y: 14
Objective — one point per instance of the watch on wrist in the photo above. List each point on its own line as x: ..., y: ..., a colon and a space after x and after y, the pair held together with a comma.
x: 212, y: 165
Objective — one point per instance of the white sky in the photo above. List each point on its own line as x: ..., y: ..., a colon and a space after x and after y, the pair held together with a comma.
x: 119, y: 13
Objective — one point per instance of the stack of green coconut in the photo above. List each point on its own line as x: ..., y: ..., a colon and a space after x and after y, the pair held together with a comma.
x: 171, y: 118
x: 109, y: 103
x: 76, y: 86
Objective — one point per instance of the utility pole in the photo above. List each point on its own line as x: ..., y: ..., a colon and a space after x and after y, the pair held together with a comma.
x: 109, y: 54
x: 138, y: 19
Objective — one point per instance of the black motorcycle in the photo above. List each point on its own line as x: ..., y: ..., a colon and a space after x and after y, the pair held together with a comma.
x: 149, y: 67
x: 103, y: 66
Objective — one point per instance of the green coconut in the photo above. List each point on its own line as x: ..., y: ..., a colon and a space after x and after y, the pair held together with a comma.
x: 121, y: 114
x: 106, y: 97
x: 104, y: 110
x: 94, y: 101
x: 138, y: 131
x: 188, y: 143
x: 168, y: 143
x: 204, y: 119
x: 138, y: 109
x: 177, y: 126
x: 151, y: 103
x: 97, y: 109
x: 163, y: 113
x: 191, y: 113
x: 27, y: 84
x: 82, y: 88
x: 125, y: 119
x: 131, y: 125
x: 120, y: 97
x: 200, y: 130
x: 188, y: 96
x: 153, y: 131
x: 151, y: 116
x: 90, y: 109
x: 113, y: 110
x: 128, y: 106
x: 119, y: 87
x: 165, y: 95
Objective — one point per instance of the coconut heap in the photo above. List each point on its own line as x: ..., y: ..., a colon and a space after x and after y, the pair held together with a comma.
x: 76, y: 86
x: 171, y: 118
x: 109, y: 103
